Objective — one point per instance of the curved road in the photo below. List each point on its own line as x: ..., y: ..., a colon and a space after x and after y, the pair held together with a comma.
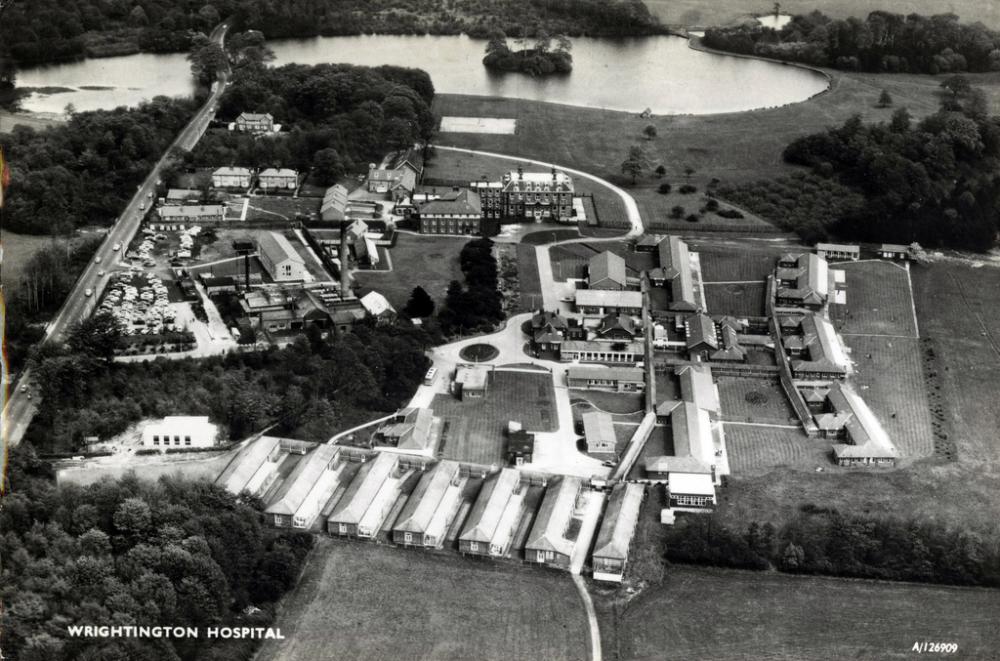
x: 19, y: 409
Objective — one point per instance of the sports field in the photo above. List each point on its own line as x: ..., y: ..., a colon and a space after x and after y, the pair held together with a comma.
x: 702, y: 613
x: 474, y: 428
x: 368, y: 602
x: 499, y: 125
x: 879, y: 300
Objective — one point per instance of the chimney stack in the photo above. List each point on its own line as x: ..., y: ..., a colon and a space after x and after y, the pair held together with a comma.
x: 345, y: 278
x: 520, y: 173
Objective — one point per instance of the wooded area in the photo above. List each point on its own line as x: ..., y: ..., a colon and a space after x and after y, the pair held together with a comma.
x: 883, y: 42
x: 477, y: 306
x: 170, y: 553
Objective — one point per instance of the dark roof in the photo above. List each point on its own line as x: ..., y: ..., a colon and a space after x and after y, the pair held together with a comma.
x: 606, y: 266
x: 462, y: 202
x: 701, y: 330
x: 520, y: 442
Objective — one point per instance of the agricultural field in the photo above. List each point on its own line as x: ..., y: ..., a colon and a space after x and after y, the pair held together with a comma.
x: 754, y: 400
x: 364, y: 601
x: 756, y: 450
x: 474, y: 430
x: 702, y: 613
x: 879, y: 300
x: 428, y: 261
x: 739, y: 299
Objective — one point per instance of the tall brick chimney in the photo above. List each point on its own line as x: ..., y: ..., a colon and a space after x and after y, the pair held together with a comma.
x: 345, y: 278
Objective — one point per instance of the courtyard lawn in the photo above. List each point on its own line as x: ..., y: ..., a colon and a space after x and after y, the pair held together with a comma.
x: 364, y: 601
x: 754, y: 400
x: 702, y: 613
x: 474, y: 429
x: 738, y: 299
x: 733, y: 261
x: 757, y: 450
x: 428, y: 261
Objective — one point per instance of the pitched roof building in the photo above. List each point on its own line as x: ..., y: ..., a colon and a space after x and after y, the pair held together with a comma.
x: 869, y: 444
x: 614, y: 538
x: 431, y: 507
x: 675, y: 260
x: 362, y: 509
x: 818, y: 353
x: 489, y: 527
x: 547, y: 542
x: 802, y: 281
x: 599, y: 431
x: 280, y: 258
x: 606, y: 270
x: 334, y: 205
x: 307, y: 488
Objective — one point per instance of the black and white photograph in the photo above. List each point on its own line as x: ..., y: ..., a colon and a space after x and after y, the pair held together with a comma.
x: 500, y: 330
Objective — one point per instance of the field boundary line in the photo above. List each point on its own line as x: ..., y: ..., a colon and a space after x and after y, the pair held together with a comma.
x: 913, y: 301
x: 864, y: 261
x: 736, y: 282
x: 900, y: 337
x: 588, y: 605
x: 760, y: 424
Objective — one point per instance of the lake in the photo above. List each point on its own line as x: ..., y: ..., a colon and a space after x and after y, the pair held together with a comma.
x: 660, y: 73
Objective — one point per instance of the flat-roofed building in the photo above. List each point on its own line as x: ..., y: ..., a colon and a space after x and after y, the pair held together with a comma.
x: 599, y: 432
x: 307, y: 488
x: 489, y: 527
x: 368, y: 499
x: 520, y: 445
x: 606, y: 270
x: 431, y: 508
x: 471, y: 381
x: 180, y: 215
x: 602, y: 352
x: 180, y: 431
x: 839, y: 251
x: 547, y: 542
x: 601, y: 302
x: 614, y: 538
x: 615, y: 379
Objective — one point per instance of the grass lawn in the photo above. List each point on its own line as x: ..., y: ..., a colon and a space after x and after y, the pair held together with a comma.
x: 18, y: 249
x: 428, y: 261
x: 879, y: 301
x: 657, y: 212
x: 754, y: 400
x: 475, y: 428
x: 363, y: 601
x: 757, y: 450
x: 280, y: 207
x: 611, y: 402
x: 724, y: 12
x: 702, y: 613
x: 741, y: 300
x: 528, y: 279
x: 738, y: 262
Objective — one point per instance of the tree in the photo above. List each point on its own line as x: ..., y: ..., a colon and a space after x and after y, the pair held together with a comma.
x: 635, y: 162
x: 543, y: 41
x: 884, y: 99
x: 248, y: 49
x: 677, y: 212
x: 496, y: 42
x: 564, y: 45
x: 649, y: 131
x: 900, y: 122
x: 954, y: 89
x: 688, y: 171
x: 98, y: 335
x: 207, y: 58
x: 327, y: 166
x: 661, y: 171
x: 420, y: 304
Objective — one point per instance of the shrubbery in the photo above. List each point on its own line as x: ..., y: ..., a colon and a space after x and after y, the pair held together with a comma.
x: 687, y: 189
x: 477, y: 306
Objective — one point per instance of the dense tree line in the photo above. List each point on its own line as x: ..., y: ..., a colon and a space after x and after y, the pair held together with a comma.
x: 936, y: 181
x: 50, y: 30
x: 477, y: 306
x: 883, y: 42
x: 823, y: 541
x: 84, y: 172
x: 538, y: 60
x: 130, y: 552
x: 309, y: 389
x: 341, y: 117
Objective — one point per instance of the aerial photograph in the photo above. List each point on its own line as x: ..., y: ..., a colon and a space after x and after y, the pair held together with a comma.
x: 500, y: 330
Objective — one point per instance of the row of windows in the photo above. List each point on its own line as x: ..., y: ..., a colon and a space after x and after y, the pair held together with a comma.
x: 695, y: 501
x: 166, y: 440
x: 600, y: 355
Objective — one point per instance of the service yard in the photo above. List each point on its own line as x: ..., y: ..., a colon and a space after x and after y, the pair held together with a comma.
x: 364, y: 601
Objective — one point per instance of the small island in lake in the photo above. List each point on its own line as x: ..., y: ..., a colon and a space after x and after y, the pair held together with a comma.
x: 540, y: 60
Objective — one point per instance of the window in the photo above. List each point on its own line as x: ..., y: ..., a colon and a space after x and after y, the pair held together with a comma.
x: 408, y: 537
x: 187, y: 440
x: 473, y: 546
x: 343, y: 528
x: 156, y: 440
x: 177, y: 440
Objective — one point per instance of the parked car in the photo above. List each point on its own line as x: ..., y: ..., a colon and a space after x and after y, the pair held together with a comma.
x: 116, y: 247
x: 98, y: 259
x: 88, y: 292
x: 101, y: 272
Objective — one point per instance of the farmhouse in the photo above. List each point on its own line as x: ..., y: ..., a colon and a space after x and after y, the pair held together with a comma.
x: 548, y: 542
x: 615, y: 379
x: 307, y: 488
x: 599, y: 432
x: 838, y: 251
x: 408, y: 429
x: 362, y: 509
x: 489, y: 528
x: 675, y: 260
x: 471, y: 381
x: 601, y: 302
x: 278, y: 179
x: 431, y: 507
x: 867, y: 442
x: 520, y: 445
x: 537, y: 196
x: 457, y: 212
x: 602, y: 352
x: 254, y: 468
x: 280, y: 258
x: 818, y: 352
x: 803, y: 281
x: 180, y: 431
x: 254, y: 122
x: 615, y: 534
x: 231, y: 177
x: 334, y: 207
x: 606, y: 271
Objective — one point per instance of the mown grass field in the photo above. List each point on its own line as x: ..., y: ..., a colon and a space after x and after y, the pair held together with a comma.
x: 368, y: 602
x: 715, y: 614
x: 738, y: 262
x: 879, y: 300
x: 759, y: 450
x: 528, y: 278
x: 736, y: 299
x: 428, y: 261
x: 754, y: 400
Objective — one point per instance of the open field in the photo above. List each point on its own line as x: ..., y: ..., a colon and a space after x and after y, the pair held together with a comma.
x: 37, y: 121
x: 892, y: 383
x: 754, y: 400
x: 18, y: 249
x: 191, y: 466
x: 740, y: 300
x: 657, y: 208
x: 724, y: 12
x: 879, y: 301
x: 428, y: 261
x: 478, y: 125
x: 474, y: 429
x: 701, y: 613
x: 363, y: 601
x: 757, y: 450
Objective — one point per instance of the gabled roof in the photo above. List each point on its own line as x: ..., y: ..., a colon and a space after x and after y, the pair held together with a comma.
x: 673, y: 464
x: 612, y: 322
x: 463, y: 202
x: 608, y: 298
x: 278, y: 248
x: 427, y: 497
x: 255, y: 116
x: 676, y: 260
x: 837, y: 247
x: 412, y: 426
x: 618, y: 524
x: 376, y: 304
x: 606, y: 266
x: 546, y: 318
x: 812, y: 280
x: 302, y: 479
x: 868, y: 437
x: 826, y: 352
x: 598, y: 425
x: 410, y: 158
x: 335, y: 201
x: 700, y: 330
x: 553, y: 517
x: 227, y: 170
x: 249, y: 459
x: 530, y: 181
x: 485, y: 515
x: 698, y: 387
x: 275, y: 172
x: 692, y: 431
x: 363, y: 488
